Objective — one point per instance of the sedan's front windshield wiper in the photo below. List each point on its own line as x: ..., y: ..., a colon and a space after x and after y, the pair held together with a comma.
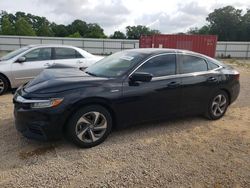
x: 90, y: 73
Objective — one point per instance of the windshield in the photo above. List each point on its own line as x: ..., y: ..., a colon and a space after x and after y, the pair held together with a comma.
x: 14, y: 53
x: 116, y: 65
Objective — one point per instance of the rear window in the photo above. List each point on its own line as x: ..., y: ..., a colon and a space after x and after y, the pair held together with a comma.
x: 189, y: 64
x: 66, y: 53
x: 212, y: 65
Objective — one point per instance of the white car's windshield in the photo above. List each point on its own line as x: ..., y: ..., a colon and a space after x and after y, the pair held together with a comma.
x: 116, y: 65
x: 14, y: 53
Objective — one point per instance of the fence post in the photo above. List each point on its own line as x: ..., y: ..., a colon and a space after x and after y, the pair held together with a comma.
x: 20, y: 42
x: 103, y: 46
x: 248, y: 48
x: 83, y: 44
x: 226, y: 50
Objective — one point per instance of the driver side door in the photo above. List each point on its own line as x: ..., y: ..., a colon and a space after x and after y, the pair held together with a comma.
x: 35, y: 62
x: 156, y: 99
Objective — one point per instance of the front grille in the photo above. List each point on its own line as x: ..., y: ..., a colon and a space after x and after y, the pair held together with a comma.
x: 36, y: 130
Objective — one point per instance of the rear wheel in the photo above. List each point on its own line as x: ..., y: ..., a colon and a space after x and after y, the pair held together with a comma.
x: 218, y: 105
x: 89, y: 126
x: 3, y: 85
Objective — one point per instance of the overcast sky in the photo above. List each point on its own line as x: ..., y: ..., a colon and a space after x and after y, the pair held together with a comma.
x: 166, y: 16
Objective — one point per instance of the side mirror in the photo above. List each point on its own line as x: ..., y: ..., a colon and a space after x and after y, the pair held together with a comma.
x: 21, y: 59
x: 141, y: 77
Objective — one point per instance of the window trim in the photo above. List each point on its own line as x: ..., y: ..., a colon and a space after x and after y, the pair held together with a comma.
x: 178, y: 74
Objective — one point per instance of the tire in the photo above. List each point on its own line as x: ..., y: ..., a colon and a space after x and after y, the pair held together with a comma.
x: 86, y: 130
x: 4, y: 85
x: 217, y: 106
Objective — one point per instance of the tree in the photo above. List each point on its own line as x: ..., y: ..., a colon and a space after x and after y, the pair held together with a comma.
x: 203, y: 30
x: 59, y: 30
x: 118, y: 35
x: 95, y: 31
x: 6, y: 27
x: 193, y: 30
x: 135, y: 32
x: 22, y: 27
x: 245, y: 26
x: 42, y: 27
x: 225, y: 23
x: 75, y: 35
x: 78, y: 26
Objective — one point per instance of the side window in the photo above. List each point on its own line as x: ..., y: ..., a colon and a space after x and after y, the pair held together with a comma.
x: 66, y: 53
x: 38, y: 54
x: 78, y: 55
x: 189, y: 64
x: 163, y: 65
x: 212, y: 65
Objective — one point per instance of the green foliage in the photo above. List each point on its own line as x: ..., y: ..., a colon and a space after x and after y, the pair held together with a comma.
x: 75, y: 35
x: 134, y: 32
x: 228, y: 23
x: 95, y: 31
x: 59, y: 30
x: 6, y: 27
x: 22, y: 27
x: 21, y: 23
x: 225, y: 22
x: 78, y: 26
x: 118, y: 35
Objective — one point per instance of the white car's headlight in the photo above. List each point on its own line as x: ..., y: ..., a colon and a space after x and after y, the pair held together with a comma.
x: 40, y: 103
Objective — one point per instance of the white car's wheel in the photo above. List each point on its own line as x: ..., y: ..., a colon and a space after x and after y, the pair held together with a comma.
x: 3, y: 84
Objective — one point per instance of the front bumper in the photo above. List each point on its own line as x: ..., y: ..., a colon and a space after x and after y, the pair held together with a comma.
x: 41, y: 124
x: 37, y: 124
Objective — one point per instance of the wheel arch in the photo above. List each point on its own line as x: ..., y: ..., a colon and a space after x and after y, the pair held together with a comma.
x: 6, y: 77
x: 228, y: 94
x: 91, y: 101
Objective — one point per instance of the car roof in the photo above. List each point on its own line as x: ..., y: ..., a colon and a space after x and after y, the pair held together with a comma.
x: 155, y: 51
x: 51, y: 45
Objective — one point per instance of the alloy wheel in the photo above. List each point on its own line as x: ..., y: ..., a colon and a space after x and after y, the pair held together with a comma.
x: 1, y: 86
x: 219, y: 105
x: 91, y: 127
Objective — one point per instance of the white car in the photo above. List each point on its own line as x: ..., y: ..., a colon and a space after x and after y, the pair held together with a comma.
x: 22, y: 65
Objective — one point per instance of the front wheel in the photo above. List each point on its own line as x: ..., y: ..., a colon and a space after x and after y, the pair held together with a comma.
x: 217, y: 106
x: 89, y: 126
x: 3, y: 85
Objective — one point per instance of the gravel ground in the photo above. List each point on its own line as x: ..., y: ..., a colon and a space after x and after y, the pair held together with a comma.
x: 184, y: 152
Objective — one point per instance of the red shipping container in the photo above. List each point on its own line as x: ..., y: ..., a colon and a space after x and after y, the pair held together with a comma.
x: 204, y: 44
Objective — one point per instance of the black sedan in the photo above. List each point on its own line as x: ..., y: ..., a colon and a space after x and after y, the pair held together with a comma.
x: 125, y: 88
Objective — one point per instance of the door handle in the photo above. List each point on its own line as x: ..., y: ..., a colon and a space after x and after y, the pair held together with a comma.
x: 173, y: 84
x: 47, y: 64
x: 79, y: 61
x: 212, y: 79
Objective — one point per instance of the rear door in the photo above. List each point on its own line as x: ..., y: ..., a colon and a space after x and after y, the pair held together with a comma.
x: 36, y: 61
x: 198, y: 82
x: 68, y: 56
x: 155, y: 99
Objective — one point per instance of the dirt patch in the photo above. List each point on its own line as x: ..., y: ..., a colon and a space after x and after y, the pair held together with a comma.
x: 183, y: 152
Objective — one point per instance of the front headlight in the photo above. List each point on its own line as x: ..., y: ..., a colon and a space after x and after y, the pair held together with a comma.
x: 48, y: 103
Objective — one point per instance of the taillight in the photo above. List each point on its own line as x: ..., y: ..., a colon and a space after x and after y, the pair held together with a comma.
x: 237, y: 76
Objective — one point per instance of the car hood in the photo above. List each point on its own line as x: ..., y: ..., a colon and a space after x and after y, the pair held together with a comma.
x: 56, y: 80
x: 2, y: 62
